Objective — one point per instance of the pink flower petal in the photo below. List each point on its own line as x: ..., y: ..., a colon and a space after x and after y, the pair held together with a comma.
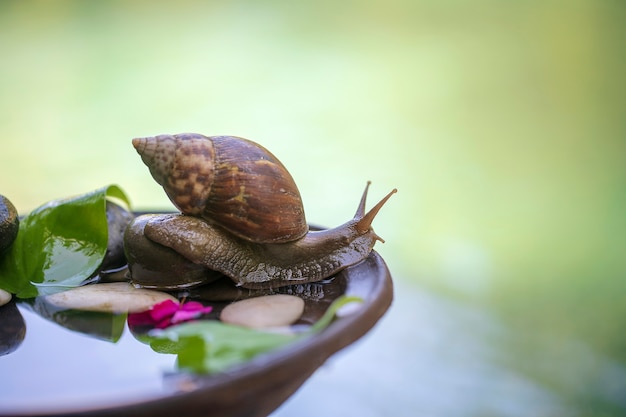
x: 168, y: 313
x: 163, y: 323
x: 196, y: 306
x: 163, y: 309
x: 191, y: 305
x: 140, y: 319
x: 189, y: 311
x: 181, y: 316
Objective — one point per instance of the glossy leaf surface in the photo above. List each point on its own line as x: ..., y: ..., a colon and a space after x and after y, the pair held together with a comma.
x: 59, y: 244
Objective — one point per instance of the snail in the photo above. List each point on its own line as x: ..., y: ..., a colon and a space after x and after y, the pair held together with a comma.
x: 242, y: 215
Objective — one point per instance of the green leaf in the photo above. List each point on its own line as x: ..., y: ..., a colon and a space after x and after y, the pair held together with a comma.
x: 210, y: 346
x: 330, y: 313
x: 59, y: 244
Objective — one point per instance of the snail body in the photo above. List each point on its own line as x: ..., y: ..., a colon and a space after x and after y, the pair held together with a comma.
x: 316, y: 256
x: 258, y: 240
x: 154, y: 266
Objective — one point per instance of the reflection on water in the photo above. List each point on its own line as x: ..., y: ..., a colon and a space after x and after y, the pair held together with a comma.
x: 457, y: 360
x: 48, y: 370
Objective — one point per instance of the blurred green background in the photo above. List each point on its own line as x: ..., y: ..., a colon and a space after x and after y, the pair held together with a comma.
x: 501, y: 123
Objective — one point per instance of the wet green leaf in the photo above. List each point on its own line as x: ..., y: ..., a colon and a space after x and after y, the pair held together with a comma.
x: 209, y: 346
x: 59, y: 244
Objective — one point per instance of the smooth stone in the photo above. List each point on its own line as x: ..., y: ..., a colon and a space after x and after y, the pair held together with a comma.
x: 116, y: 297
x: 9, y: 223
x: 264, y: 312
x: 5, y: 297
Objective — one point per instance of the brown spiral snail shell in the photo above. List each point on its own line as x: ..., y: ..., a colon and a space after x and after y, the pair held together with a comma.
x: 242, y: 215
x: 227, y: 181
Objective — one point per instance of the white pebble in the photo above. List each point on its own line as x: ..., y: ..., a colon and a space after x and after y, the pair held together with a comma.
x: 264, y: 312
x: 116, y: 297
x: 5, y: 297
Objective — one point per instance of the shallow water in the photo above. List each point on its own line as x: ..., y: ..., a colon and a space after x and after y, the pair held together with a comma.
x: 48, y: 371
